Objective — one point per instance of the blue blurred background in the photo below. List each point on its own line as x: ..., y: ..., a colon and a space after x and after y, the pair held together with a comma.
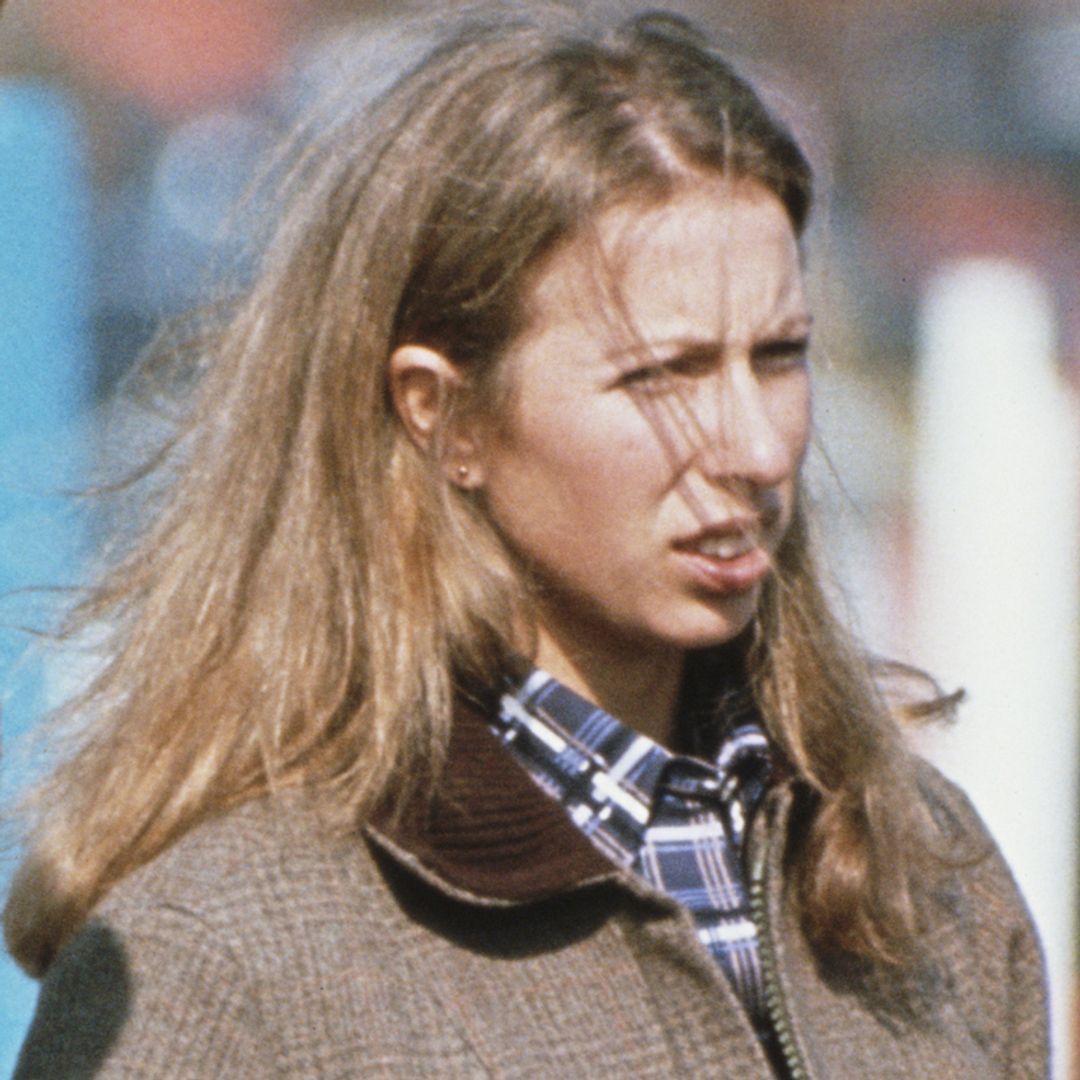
x: 128, y: 129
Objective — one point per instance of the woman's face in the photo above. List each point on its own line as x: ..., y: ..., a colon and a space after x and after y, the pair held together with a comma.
x: 661, y: 410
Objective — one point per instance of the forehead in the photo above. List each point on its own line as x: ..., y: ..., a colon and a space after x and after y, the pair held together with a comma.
x: 717, y: 259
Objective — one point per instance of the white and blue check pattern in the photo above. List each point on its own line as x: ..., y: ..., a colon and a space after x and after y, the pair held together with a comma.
x: 677, y: 821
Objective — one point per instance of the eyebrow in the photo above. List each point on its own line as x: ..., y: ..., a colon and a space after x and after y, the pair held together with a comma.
x: 799, y: 325
x: 789, y: 327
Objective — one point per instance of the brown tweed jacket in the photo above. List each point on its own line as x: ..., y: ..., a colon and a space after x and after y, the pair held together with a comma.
x: 487, y: 938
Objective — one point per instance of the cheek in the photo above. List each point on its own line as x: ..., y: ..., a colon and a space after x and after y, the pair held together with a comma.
x: 792, y: 413
x: 595, y: 445
x: 569, y: 489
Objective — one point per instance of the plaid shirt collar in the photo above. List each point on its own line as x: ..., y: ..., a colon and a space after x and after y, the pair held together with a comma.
x: 676, y: 821
x: 588, y: 760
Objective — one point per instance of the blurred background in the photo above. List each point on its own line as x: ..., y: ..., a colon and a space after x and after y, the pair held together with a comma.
x: 945, y: 258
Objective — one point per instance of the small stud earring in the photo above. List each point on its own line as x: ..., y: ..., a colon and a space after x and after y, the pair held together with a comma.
x: 463, y: 472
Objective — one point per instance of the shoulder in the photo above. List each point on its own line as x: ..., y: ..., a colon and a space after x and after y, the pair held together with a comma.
x: 195, y: 964
x: 256, y: 845
x: 980, y: 928
x: 953, y: 812
x: 964, y: 844
x: 963, y: 840
x: 247, y: 877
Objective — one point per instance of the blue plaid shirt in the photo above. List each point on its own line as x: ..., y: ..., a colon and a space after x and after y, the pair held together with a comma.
x: 677, y: 821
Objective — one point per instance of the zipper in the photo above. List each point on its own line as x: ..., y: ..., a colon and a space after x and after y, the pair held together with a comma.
x: 775, y: 1004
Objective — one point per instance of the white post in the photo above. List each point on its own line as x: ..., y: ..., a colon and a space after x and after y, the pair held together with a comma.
x: 997, y: 524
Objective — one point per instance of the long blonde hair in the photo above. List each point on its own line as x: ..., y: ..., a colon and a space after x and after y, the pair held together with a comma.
x: 313, y: 595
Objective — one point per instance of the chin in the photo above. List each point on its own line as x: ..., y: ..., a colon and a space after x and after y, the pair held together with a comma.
x: 693, y: 639
x: 712, y: 628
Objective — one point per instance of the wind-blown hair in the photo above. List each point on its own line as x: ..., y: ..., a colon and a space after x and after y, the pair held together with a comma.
x: 314, y: 595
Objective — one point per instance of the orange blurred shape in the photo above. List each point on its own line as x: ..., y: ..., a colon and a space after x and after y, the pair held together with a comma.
x: 177, y: 56
x: 959, y: 208
x: 956, y: 208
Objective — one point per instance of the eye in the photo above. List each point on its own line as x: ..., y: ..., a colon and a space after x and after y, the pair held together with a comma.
x: 655, y: 376
x: 783, y: 354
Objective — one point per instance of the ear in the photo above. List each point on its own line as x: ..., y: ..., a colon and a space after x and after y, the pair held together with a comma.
x: 423, y: 383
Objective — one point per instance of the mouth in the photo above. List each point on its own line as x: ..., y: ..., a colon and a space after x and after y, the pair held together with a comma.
x: 729, y: 557
x: 726, y: 545
x: 728, y: 539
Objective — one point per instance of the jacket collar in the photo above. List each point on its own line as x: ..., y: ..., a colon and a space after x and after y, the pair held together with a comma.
x: 488, y: 831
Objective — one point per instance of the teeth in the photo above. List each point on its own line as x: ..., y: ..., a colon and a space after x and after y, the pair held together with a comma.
x: 727, y: 547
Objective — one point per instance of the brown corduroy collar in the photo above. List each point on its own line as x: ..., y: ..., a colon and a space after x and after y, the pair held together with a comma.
x: 489, y: 831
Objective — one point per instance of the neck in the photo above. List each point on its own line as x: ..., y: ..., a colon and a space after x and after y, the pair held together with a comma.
x: 639, y: 687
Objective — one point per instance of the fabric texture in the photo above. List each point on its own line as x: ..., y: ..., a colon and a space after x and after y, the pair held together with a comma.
x: 676, y: 821
x: 457, y: 939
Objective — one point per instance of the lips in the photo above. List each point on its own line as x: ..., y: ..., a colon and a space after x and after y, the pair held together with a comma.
x: 726, y: 558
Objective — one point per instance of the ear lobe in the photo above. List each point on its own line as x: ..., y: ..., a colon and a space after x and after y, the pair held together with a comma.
x: 423, y: 383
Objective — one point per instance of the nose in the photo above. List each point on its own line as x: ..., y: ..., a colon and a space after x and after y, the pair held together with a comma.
x: 754, y: 426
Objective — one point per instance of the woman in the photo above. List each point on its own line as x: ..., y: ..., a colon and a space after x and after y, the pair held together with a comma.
x: 474, y: 707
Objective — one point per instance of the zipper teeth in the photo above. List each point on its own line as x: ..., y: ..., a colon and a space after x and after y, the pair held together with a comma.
x: 774, y: 998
